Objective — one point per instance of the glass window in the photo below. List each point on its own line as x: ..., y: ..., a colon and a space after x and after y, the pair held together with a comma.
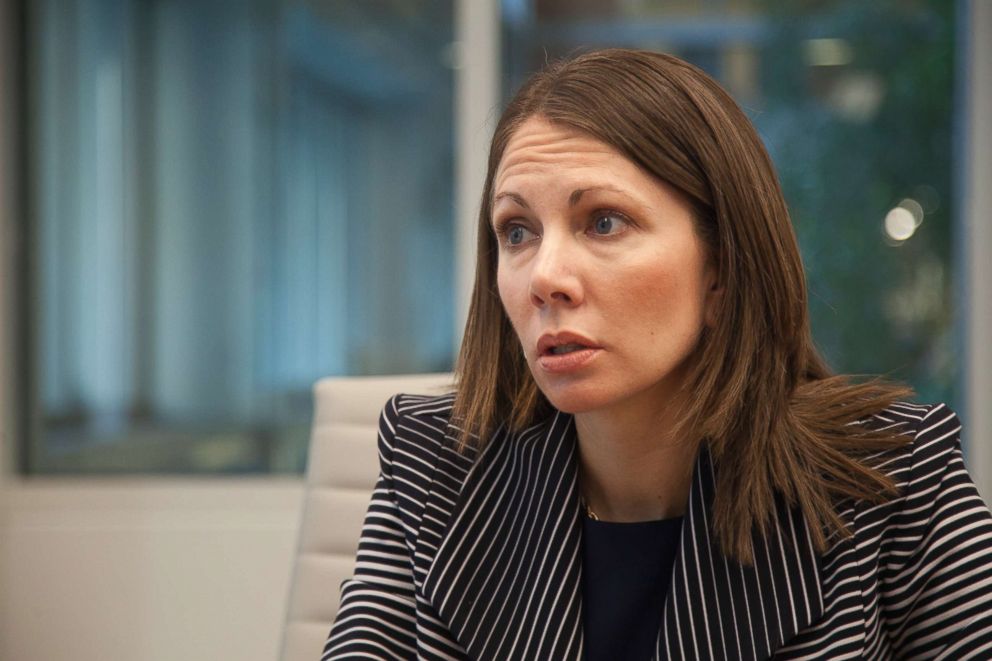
x: 230, y: 200
x: 855, y: 103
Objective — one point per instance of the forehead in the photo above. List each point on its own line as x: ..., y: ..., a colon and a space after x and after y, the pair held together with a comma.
x: 538, y: 145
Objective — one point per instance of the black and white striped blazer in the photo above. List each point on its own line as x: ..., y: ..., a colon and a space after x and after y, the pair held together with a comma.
x: 478, y: 556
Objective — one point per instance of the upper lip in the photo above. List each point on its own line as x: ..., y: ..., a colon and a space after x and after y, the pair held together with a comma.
x: 550, y: 340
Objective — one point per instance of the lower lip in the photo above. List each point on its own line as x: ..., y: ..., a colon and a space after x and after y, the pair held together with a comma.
x: 566, y: 362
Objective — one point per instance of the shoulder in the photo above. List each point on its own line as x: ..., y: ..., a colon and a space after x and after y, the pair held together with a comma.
x: 433, y: 410
x: 933, y: 546
x: 933, y: 440
x: 919, y: 421
x: 933, y: 486
x: 415, y: 432
x: 919, y: 562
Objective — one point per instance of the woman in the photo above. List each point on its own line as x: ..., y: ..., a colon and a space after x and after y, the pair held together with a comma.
x: 645, y: 456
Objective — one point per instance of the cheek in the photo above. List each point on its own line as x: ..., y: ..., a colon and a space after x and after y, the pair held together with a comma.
x: 663, y: 290
x: 503, y: 287
x: 512, y: 293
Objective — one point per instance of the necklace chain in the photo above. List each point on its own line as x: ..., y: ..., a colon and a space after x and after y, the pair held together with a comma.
x: 588, y: 510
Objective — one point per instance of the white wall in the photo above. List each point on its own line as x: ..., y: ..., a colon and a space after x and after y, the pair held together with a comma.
x: 152, y: 571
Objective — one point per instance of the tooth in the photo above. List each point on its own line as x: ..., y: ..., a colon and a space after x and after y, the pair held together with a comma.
x: 567, y: 348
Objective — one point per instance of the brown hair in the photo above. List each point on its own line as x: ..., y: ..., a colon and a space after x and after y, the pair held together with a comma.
x: 765, y: 404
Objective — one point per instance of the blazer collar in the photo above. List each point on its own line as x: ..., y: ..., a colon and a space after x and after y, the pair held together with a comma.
x: 506, y: 578
x: 719, y: 609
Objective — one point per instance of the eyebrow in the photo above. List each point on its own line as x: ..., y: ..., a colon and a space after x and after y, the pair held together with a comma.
x: 573, y: 199
x: 516, y: 197
x: 576, y: 195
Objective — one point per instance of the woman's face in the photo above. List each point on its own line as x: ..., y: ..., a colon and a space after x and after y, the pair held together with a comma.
x: 600, y: 270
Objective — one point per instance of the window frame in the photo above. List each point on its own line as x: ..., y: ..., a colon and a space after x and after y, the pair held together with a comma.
x: 14, y: 338
x: 974, y: 163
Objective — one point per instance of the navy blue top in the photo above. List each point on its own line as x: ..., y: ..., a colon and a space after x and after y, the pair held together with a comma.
x: 626, y: 569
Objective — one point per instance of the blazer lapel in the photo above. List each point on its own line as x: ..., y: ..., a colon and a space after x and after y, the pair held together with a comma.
x: 720, y: 609
x: 506, y: 576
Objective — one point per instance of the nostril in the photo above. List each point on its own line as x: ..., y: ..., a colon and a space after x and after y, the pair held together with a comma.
x: 554, y: 297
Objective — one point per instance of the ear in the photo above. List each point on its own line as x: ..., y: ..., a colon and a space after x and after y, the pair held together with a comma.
x: 713, y: 300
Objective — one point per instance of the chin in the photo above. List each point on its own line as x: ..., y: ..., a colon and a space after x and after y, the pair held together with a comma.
x: 574, y: 399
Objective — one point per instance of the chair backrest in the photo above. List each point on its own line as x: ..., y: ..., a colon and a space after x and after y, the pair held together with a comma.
x: 342, y: 467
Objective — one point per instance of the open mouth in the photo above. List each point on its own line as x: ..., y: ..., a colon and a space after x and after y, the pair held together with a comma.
x: 563, y: 343
x: 565, y: 352
x: 565, y: 348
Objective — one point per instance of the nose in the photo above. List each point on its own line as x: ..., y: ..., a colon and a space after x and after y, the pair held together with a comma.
x: 554, y: 280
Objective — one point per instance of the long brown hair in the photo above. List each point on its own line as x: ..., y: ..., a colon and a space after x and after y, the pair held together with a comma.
x: 775, y: 421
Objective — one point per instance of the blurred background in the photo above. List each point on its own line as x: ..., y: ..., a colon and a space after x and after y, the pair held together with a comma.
x: 206, y: 206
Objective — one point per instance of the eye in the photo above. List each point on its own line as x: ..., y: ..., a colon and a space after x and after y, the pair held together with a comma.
x: 609, y: 223
x: 514, y: 235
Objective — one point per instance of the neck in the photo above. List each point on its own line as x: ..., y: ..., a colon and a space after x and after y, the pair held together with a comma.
x: 630, y: 468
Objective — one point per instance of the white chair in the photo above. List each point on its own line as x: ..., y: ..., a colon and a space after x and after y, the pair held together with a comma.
x: 342, y: 467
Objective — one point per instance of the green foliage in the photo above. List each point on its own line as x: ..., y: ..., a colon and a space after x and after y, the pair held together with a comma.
x: 851, y: 141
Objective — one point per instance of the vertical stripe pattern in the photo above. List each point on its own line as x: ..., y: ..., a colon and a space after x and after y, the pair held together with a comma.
x: 477, y: 556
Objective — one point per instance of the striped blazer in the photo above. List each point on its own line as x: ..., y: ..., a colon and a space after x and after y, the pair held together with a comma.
x: 478, y: 556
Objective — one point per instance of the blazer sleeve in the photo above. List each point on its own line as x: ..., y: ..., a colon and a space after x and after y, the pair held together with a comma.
x: 938, y: 601
x: 377, y: 615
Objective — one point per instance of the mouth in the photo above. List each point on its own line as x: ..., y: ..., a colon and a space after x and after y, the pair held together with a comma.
x: 565, y: 348
x: 565, y: 353
x: 563, y: 343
